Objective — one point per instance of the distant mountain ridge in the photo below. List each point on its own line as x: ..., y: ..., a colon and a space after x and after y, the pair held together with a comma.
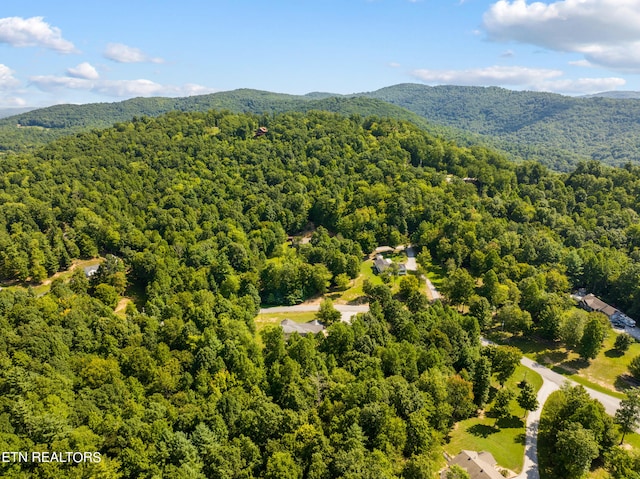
x: 6, y: 112
x: 550, y: 128
x: 37, y: 127
x: 554, y: 129
x: 624, y: 95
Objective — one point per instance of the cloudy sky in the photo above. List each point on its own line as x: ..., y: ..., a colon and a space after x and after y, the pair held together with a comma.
x: 79, y: 52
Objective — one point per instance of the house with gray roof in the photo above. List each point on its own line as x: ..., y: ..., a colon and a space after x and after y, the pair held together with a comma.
x: 311, y: 327
x: 479, y: 465
x: 591, y: 302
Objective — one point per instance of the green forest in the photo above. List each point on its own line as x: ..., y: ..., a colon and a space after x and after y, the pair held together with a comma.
x: 195, y: 217
x: 555, y: 130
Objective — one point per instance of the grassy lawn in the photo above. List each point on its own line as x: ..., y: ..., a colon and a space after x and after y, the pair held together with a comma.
x: 355, y: 294
x: 602, y: 373
x: 506, y: 443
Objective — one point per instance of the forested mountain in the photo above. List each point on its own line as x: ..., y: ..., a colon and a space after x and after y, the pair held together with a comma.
x: 192, y: 211
x: 616, y: 94
x: 24, y: 131
x: 553, y: 129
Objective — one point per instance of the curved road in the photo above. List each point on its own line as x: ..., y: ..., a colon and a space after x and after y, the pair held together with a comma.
x: 551, y: 381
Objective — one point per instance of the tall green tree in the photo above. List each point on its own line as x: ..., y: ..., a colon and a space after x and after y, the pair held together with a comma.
x: 592, y: 339
x: 527, y: 399
x: 501, y: 405
x: 628, y: 414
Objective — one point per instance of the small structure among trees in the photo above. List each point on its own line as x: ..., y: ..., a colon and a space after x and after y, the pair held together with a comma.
x: 260, y: 132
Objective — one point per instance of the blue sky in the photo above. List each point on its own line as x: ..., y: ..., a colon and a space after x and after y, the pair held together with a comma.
x: 79, y: 52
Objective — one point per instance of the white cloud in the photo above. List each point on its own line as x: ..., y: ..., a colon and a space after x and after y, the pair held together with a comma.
x: 33, y: 32
x: 7, y: 79
x: 83, y: 70
x: 52, y: 83
x: 606, y: 32
x: 582, y: 85
x: 581, y: 63
x: 494, y: 75
x: 125, y: 54
x: 521, y: 77
x: 117, y: 88
x: 508, y: 54
x: 12, y: 102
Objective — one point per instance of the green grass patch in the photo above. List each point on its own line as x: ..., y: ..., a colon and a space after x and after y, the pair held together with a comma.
x: 355, y: 293
x: 505, y: 443
x: 633, y: 440
x: 605, y: 373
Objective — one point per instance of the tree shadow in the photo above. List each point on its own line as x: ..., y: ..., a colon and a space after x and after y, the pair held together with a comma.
x: 492, y: 395
x: 614, y: 353
x: 511, y: 422
x: 625, y: 381
x: 358, y: 301
x: 553, y: 357
x: 481, y: 430
x: 520, y: 438
x: 575, y: 364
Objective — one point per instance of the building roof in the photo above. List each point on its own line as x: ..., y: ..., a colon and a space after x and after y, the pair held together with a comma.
x: 311, y: 327
x: 91, y: 270
x: 478, y: 465
x: 596, y: 304
x: 381, y: 263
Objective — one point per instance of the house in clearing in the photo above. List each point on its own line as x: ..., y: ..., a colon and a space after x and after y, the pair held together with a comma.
x: 381, y: 264
x: 479, y: 465
x: 591, y: 302
x: 311, y: 327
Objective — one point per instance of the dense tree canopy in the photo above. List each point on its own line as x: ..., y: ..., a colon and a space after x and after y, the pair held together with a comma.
x: 200, y: 222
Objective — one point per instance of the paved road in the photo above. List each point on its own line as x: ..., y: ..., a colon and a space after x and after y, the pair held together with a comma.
x: 411, y: 263
x: 610, y: 403
x: 551, y: 381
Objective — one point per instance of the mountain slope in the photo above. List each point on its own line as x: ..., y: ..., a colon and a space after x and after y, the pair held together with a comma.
x: 554, y: 129
x: 37, y: 127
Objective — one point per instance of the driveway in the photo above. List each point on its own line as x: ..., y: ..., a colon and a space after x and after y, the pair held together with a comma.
x: 530, y: 466
x: 551, y: 381
x: 432, y: 292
